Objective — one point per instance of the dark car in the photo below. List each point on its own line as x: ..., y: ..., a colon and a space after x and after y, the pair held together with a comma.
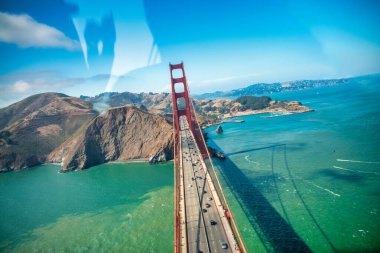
x: 204, y: 210
x: 212, y: 222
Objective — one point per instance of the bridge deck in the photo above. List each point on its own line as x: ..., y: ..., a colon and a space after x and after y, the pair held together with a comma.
x: 198, y: 192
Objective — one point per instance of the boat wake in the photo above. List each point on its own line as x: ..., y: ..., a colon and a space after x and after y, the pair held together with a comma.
x: 250, y: 161
x: 356, y: 161
x: 358, y: 171
x: 320, y: 187
x: 257, y: 165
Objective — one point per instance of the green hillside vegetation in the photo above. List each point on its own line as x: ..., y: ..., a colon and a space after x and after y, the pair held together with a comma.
x: 253, y: 103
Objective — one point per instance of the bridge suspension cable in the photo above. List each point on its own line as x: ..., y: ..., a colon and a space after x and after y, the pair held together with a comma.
x: 238, y: 235
x: 182, y: 206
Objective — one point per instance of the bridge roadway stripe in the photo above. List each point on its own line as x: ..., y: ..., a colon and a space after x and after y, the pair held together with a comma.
x: 183, y: 225
x: 198, y: 207
x: 187, y: 204
x: 201, y: 171
x: 199, y: 201
x: 218, y: 212
x: 215, y: 228
x: 183, y: 235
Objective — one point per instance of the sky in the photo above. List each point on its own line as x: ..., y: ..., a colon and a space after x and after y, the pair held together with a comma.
x: 86, y: 47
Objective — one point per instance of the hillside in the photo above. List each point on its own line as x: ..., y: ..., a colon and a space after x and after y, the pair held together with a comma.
x: 32, y: 128
x: 219, y: 109
x: 209, y: 110
x: 159, y: 103
x: 268, y: 88
x: 119, y: 134
x: 254, y: 103
x: 53, y: 127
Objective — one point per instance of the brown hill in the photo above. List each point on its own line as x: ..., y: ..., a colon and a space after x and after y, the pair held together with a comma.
x: 122, y: 133
x: 209, y: 111
x: 32, y: 128
x: 158, y: 103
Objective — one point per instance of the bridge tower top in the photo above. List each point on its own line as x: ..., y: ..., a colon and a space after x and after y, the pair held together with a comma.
x: 183, y: 107
x: 180, y: 95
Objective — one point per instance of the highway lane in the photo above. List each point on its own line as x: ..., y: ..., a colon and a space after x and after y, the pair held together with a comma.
x: 201, y: 235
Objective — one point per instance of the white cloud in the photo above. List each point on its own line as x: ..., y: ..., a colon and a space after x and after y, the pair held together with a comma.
x: 21, y: 86
x: 229, y: 78
x: 16, y: 86
x: 24, y: 31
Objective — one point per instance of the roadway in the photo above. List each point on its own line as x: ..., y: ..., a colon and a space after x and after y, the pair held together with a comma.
x: 200, y: 207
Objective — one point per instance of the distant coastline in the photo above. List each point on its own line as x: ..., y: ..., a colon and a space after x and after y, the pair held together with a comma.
x: 255, y: 112
x: 269, y: 88
x: 264, y: 111
x: 219, y: 111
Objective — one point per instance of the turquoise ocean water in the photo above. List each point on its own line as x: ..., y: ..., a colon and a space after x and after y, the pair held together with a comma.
x: 308, y: 181
x: 109, y: 208
x: 299, y: 182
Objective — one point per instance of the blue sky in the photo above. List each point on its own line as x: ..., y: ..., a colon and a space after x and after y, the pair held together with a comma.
x: 87, y: 47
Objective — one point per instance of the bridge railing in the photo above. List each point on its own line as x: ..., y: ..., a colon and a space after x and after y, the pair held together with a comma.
x: 177, y: 231
x: 198, y: 135
x: 194, y: 126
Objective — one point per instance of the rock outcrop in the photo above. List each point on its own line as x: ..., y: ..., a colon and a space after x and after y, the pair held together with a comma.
x: 32, y: 128
x: 215, y: 153
x: 119, y: 134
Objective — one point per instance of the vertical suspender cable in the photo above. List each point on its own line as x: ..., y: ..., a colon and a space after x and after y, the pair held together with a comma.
x: 241, y: 243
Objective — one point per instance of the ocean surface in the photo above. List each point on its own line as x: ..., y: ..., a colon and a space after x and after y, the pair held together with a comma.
x: 109, y: 208
x: 308, y: 181
x: 295, y: 183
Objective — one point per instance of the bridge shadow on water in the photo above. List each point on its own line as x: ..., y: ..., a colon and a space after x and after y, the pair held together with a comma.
x: 276, y: 234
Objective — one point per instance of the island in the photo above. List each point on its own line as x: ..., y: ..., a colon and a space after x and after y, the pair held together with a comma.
x: 220, y: 110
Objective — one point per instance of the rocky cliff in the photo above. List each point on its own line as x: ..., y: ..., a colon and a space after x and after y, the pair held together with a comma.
x: 35, y: 126
x: 209, y: 111
x: 119, y: 134
x: 158, y: 103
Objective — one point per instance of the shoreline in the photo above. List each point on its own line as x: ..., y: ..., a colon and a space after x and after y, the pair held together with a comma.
x: 60, y: 171
x: 257, y: 112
